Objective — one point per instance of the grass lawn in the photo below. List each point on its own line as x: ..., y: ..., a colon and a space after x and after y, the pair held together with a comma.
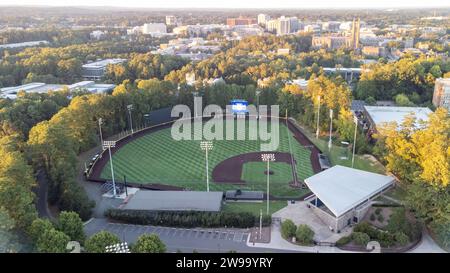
x: 365, y: 163
x: 254, y: 208
x: 396, y: 193
x: 158, y: 158
x: 254, y: 173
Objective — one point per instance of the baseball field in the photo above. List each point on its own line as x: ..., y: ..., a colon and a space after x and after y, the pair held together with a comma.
x: 156, y: 158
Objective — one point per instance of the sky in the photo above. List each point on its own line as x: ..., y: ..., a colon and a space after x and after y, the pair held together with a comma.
x: 236, y: 3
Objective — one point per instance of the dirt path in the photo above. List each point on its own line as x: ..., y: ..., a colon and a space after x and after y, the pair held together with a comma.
x: 230, y: 170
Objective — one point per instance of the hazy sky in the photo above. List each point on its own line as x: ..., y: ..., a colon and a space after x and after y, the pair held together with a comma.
x: 235, y: 3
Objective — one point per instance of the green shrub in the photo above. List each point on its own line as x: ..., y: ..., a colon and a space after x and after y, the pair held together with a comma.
x: 372, y: 217
x: 344, y: 240
x: 360, y: 238
x: 442, y: 231
x: 188, y: 219
x: 399, y: 222
x: 380, y: 218
x: 363, y: 227
x: 304, y: 235
x: 148, y: 243
x: 39, y: 227
x: 288, y: 229
x: 70, y: 223
x: 98, y: 242
x: 378, y: 211
x: 401, y: 238
x: 386, y: 239
x: 74, y: 198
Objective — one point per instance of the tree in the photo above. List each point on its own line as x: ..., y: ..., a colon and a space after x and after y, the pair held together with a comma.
x: 16, y: 182
x: 420, y: 157
x: 149, y: 243
x: 70, y: 223
x: 304, y: 235
x: 288, y: 229
x: 52, y: 241
x: 99, y: 241
x: 403, y: 100
x: 8, y: 239
x: 360, y: 238
x: 38, y: 228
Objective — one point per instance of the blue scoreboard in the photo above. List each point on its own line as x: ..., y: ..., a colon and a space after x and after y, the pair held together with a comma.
x: 239, y: 106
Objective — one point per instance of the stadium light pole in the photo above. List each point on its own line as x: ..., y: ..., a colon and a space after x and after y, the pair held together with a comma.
x: 108, y: 145
x: 331, y: 129
x: 146, y: 118
x: 194, y: 94
x: 100, y: 122
x: 130, y: 107
x: 318, y: 117
x: 260, y: 224
x: 206, y: 146
x: 258, y: 92
x: 355, y: 119
x: 268, y: 158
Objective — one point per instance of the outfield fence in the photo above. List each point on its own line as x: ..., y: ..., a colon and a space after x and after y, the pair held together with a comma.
x: 94, y: 174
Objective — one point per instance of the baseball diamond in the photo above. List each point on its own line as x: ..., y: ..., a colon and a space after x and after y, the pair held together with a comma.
x: 153, y: 159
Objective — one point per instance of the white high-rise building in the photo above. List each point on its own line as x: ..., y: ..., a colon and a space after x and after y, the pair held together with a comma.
x: 154, y: 28
x: 171, y: 20
x: 287, y: 25
x: 262, y: 19
x: 272, y: 25
x: 441, y: 95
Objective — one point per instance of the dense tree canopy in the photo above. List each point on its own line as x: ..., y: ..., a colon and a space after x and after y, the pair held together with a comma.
x: 420, y: 157
x: 413, y: 77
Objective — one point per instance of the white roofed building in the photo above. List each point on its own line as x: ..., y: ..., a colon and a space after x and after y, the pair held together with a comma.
x: 342, y: 195
x: 380, y: 116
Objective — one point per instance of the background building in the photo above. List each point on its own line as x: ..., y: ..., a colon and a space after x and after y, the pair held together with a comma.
x: 342, y: 195
x: 287, y: 25
x: 374, y: 51
x: 154, y: 28
x: 39, y: 87
x: 272, y: 25
x: 441, y: 95
x: 331, y: 42
x: 171, y: 20
x: 262, y: 19
x: 380, y: 116
x: 95, y: 70
x: 241, y: 21
x: 356, y: 26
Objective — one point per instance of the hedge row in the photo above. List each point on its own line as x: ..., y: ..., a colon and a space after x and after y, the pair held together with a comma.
x: 188, y: 219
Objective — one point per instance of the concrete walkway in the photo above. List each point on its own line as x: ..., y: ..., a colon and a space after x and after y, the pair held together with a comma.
x: 299, y: 213
x: 427, y: 245
x: 277, y: 242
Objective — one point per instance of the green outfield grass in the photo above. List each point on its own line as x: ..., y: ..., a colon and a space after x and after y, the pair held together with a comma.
x: 157, y: 158
x: 254, y: 207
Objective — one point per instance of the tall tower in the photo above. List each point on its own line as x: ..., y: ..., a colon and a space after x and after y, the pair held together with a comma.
x: 355, y: 34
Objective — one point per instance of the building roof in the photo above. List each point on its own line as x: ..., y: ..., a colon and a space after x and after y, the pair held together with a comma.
x: 387, y: 114
x: 341, y: 188
x: 175, y: 201
x: 34, y: 87
x: 103, y: 63
x: 358, y: 105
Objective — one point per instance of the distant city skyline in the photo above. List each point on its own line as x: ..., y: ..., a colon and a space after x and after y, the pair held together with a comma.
x: 262, y: 4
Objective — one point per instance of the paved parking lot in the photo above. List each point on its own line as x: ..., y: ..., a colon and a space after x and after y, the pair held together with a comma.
x: 179, y: 239
x: 198, y: 234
